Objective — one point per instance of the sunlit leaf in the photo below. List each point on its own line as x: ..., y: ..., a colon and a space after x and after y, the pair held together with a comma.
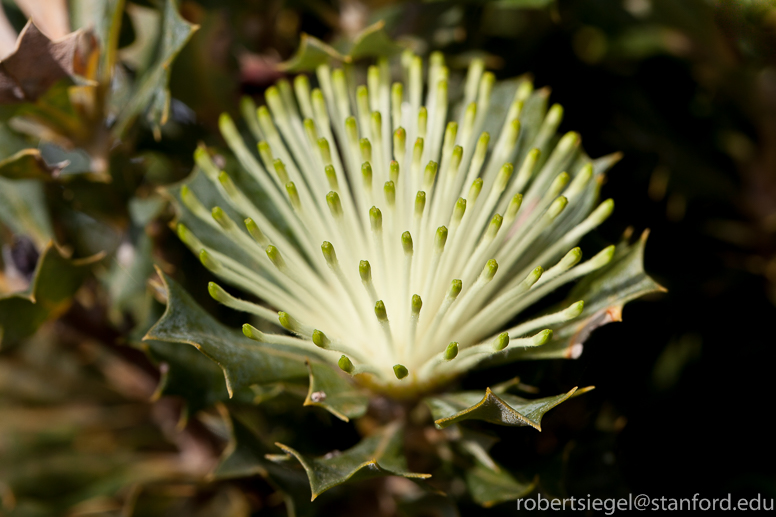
x: 489, y: 486
x: 311, y: 53
x: 244, y: 362
x: 373, y: 41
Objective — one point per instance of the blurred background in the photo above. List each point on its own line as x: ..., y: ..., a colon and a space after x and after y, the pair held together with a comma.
x: 90, y: 419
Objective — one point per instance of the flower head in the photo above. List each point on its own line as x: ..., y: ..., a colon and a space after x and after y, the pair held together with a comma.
x: 399, y: 235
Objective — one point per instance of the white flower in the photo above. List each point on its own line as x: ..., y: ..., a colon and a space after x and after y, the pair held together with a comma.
x: 411, y: 240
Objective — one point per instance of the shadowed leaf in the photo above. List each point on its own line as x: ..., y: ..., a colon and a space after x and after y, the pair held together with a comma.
x: 329, y: 390
x: 501, y: 409
x: 245, y: 456
x: 489, y: 486
x: 153, y: 93
x: 27, y: 164
x: 377, y: 455
x: 54, y: 283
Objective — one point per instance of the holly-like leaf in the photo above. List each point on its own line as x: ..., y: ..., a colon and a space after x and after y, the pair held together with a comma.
x: 503, y: 409
x: 244, y: 456
x: 55, y: 281
x: 329, y: 390
x: 153, y: 92
x: 489, y: 486
x: 23, y: 209
x: 377, y: 455
x: 311, y: 53
x: 604, y: 292
x: 27, y: 164
x: 243, y: 361
x: 373, y: 41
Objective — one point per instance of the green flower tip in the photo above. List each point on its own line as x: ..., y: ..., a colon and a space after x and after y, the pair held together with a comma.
x: 365, y: 270
x: 253, y: 333
x: 320, y: 340
x: 406, y: 242
x: 501, y: 342
x: 417, y: 304
x: 542, y: 337
x: 451, y: 351
x: 217, y: 292
x: 400, y: 371
x: 380, y: 311
x: 345, y: 364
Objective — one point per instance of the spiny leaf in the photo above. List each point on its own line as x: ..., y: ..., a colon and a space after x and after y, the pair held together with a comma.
x: 329, y: 390
x: 243, y: 361
x: 604, y: 292
x: 377, y: 455
x: 311, y: 53
x: 373, y: 41
x: 244, y: 456
x: 55, y: 281
x: 489, y: 486
x: 501, y: 409
x: 27, y: 164
x: 153, y: 93
x: 23, y: 209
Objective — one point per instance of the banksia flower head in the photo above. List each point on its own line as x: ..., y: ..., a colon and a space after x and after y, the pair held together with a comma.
x: 399, y: 235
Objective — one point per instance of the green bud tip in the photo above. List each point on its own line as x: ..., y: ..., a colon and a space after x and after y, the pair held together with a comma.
x: 380, y: 311
x: 542, y: 337
x: 390, y: 192
x: 557, y: 207
x: 219, y: 215
x: 366, y: 173
x: 420, y: 203
x: 406, y: 242
x: 574, y: 310
x: 274, y: 255
x: 455, y: 288
x: 441, y: 238
x: 400, y: 371
x: 333, y: 200
x: 417, y: 304
x: 501, y: 342
x: 328, y: 253
x: 489, y: 271
x: 252, y: 333
x: 208, y: 261
x: 216, y: 292
x: 451, y: 351
x: 287, y: 321
x: 394, y: 170
x: 365, y: 270
x: 376, y: 218
x: 320, y: 340
x: 345, y: 364
x: 460, y: 209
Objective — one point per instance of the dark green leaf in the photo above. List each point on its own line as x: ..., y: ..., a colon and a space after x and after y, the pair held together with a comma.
x: 377, y: 455
x: 243, y: 361
x: 489, y: 486
x: 55, y: 281
x: 27, y: 164
x: 373, y: 42
x: 505, y: 409
x: 153, y: 93
x: 23, y: 209
x: 329, y: 390
x: 311, y: 53
x: 245, y: 456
